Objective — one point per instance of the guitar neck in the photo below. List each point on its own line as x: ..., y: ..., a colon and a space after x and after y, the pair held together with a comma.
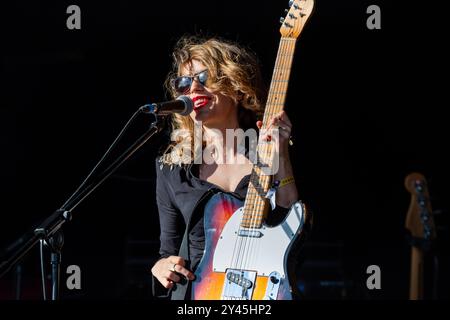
x: 280, y: 79
x: 420, y: 224
x: 256, y: 205
x: 416, y: 277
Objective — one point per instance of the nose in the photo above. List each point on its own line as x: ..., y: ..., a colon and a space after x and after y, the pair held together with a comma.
x: 196, y: 85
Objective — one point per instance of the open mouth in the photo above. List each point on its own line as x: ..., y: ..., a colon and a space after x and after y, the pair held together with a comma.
x: 200, y: 101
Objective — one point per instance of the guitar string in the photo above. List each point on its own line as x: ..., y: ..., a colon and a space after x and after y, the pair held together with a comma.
x: 256, y: 184
x: 239, y: 247
x: 254, y: 195
x: 244, y: 246
x: 276, y: 105
x: 252, y: 246
x: 240, y: 243
x: 261, y: 183
x: 238, y: 260
x: 250, y: 206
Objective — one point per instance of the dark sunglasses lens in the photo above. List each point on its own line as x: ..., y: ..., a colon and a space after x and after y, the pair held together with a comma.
x: 182, y: 84
x: 203, y: 77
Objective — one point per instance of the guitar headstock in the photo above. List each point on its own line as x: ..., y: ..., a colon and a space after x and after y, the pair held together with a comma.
x: 419, y: 220
x: 296, y: 16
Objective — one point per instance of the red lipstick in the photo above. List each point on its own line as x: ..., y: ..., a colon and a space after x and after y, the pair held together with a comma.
x: 200, y: 102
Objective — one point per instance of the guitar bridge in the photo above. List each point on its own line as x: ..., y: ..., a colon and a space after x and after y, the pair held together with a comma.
x: 239, y: 284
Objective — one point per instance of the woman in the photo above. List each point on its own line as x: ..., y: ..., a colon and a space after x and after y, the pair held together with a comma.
x: 223, y: 81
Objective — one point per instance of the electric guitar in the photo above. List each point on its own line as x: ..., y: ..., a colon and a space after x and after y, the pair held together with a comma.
x: 244, y: 258
x: 420, y: 223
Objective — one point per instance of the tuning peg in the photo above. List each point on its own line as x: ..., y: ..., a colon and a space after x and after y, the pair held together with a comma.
x: 286, y: 11
x: 281, y: 20
x: 291, y: 2
x: 292, y: 16
x: 288, y: 25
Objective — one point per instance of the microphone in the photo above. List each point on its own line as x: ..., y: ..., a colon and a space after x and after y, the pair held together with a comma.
x: 182, y: 105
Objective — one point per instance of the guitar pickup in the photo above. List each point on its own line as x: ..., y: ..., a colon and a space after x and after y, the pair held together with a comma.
x: 250, y: 233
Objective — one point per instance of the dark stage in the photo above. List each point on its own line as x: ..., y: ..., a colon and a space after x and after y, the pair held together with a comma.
x: 367, y: 108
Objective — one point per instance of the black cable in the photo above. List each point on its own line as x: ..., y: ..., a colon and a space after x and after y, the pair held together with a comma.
x: 79, y: 197
x: 85, y: 181
x: 119, y: 136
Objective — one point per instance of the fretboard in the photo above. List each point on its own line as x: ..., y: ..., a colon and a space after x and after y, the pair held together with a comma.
x: 256, y: 205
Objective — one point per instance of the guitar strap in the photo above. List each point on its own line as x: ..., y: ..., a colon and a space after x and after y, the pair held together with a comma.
x: 179, y: 289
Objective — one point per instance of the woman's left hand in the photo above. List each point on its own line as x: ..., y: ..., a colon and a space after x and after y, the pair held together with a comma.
x: 284, y: 125
x: 286, y: 197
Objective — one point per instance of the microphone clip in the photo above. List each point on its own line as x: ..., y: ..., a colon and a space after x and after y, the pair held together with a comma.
x: 149, y: 108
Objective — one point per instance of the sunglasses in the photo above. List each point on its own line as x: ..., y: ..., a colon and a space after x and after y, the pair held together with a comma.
x: 183, y: 84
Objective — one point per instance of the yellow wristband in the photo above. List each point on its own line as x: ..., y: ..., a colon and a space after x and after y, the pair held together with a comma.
x: 286, y: 181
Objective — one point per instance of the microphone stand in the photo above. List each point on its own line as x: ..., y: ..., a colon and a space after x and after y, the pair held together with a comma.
x: 50, y: 229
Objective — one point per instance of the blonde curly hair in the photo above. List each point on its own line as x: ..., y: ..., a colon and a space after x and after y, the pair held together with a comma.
x: 232, y: 70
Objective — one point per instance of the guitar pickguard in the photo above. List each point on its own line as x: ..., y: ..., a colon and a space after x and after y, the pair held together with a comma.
x: 241, y: 262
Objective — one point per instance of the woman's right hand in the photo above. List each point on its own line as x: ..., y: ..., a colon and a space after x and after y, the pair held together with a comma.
x: 168, y: 270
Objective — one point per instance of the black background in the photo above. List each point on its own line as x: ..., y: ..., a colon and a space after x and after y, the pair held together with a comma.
x: 367, y: 107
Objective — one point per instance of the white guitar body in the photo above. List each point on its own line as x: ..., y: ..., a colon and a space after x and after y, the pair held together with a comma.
x: 258, y: 257
x: 275, y: 243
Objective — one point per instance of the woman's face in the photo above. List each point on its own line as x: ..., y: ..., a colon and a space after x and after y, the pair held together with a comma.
x: 212, y: 109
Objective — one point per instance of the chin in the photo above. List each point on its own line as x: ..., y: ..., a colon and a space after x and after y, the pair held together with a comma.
x: 203, y: 117
x: 197, y: 117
